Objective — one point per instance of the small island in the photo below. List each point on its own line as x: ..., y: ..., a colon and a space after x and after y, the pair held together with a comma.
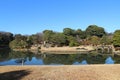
x: 93, y: 38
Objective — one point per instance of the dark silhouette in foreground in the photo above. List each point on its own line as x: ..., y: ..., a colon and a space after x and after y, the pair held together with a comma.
x: 14, y: 75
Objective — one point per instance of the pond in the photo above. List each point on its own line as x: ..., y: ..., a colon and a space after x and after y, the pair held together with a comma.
x: 8, y: 57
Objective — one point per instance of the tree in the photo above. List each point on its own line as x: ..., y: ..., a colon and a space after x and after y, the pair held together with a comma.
x: 80, y: 34
x: 35, y: 39
x: 47, y: 35
x: 95, y: 40
x: 72, y: 41
x: 94, y: 30
x: 39, y: 37
x: 5, y: 38
x: 20, y: 37
x: 19, y: 42
x: 106, y: 40
x: 59, y: 39
x: 116, y: 38
x: 68, y: 32
x: 15, y: 44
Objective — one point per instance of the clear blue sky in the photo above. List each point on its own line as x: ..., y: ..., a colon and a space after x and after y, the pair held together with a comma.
x: 32, y: 16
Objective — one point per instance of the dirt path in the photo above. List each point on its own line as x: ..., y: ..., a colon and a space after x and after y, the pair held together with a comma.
x: 88, y: 72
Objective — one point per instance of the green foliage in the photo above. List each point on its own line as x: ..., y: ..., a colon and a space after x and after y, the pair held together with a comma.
x: 58, y: 39
x: 15, y: 44
x: 5, y: 38
x: 47, y: 35
x: 35, y: 38
x: 68, y: 32
x: 81, y: 34
x: 72, y: 44
x: 95, y: 40
x: 116, y: 38
x: 19, y: 37
x: 94, y: 30
x: 69, y: 37
x: 19, y: 42
x: 72, y: 41
x: 106, y: 40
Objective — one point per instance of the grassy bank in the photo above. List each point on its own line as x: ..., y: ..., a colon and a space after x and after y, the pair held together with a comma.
x: 84, y: 72
x: 68, y: 49
x: 58, y: 50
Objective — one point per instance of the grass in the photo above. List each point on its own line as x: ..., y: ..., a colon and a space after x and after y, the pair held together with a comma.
x: 67, y: 72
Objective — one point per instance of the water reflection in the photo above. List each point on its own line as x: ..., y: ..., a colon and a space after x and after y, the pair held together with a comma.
x: 4, y: 54
x: 84, y: 62
x: 109, y: 60
x: 29, y: 58
x: 20, y: 61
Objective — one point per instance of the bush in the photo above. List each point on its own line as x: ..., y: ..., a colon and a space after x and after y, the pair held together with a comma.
x: 18, y: 44
x: 72, y: 44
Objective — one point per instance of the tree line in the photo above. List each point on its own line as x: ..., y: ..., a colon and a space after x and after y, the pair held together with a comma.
x: 93, y: 35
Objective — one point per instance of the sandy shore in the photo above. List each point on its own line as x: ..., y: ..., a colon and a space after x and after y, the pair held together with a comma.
x: 60, y: 49
x: 68, y: 49
x: 74, y: 72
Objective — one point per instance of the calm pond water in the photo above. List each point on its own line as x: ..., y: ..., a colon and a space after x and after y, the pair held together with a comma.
x: 28, y: 58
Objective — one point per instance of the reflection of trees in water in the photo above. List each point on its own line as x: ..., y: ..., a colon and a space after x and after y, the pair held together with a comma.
x: 94, y: 58
x: 116, y: 58
x: 90, y: 58
x: 105, y: 50
x: 39, y: 56
x: 72, y: 58
x: 18, y: 55
x: 4, y: 54
x: 62, y: 58
x: 21, y: 57
x: 109, y: 60
x: 20, y: 61
x: 59, y: 59
x: 97, y: 59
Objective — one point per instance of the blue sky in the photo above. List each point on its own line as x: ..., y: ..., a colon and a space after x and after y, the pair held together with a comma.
x: 32, y: 16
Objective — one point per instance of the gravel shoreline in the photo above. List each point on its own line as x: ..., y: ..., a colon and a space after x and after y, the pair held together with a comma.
x: 64, y: 72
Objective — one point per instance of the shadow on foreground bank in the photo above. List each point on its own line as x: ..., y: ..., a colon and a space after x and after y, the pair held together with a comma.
x: 14, y: 75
